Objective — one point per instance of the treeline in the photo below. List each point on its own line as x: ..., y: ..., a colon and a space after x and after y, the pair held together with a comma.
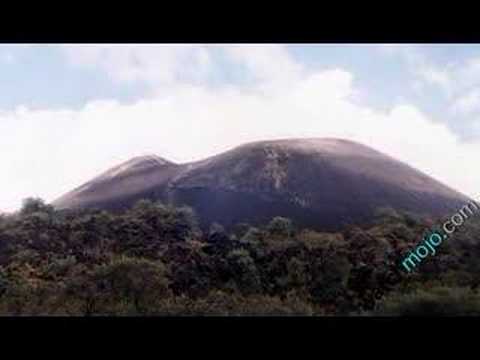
x: 155, y: 260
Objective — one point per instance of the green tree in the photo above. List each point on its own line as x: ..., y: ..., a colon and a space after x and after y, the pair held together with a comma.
x: 244, y: 271
x: 280, y: 227
x: 34, y: 205
x: 132, y: 281
x: 437, y: 301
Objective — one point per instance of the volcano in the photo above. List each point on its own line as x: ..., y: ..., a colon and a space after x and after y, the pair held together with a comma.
x: 321, y: 183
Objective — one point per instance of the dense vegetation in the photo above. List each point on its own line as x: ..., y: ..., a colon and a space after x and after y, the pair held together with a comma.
x: 155, y: 260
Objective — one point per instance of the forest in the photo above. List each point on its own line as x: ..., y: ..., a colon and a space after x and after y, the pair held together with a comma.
x: 155, y: 260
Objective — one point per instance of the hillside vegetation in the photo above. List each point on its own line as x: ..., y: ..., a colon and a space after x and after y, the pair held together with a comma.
x: 154, y: 259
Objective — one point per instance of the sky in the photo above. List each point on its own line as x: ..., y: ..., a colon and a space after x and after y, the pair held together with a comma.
x: 70, y: 112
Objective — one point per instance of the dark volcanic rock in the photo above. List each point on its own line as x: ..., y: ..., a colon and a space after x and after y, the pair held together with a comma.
x: 320, y: 183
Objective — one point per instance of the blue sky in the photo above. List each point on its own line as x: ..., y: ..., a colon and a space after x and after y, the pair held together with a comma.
x: 77, y: 110
x: 43, y: 77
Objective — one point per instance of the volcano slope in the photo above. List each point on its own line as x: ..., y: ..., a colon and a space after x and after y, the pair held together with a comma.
x: 321, y: 183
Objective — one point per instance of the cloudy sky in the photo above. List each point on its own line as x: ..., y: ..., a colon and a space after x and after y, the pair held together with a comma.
x: 68, y: 113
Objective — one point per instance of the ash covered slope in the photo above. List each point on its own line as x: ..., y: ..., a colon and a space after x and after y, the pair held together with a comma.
x: 320, y: 183
x: 119, y: 187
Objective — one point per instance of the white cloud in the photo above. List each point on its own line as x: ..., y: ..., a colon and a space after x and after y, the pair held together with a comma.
x: 468, y: 103
x: 436, y: 76
x: 467, y: 74
x: 51, y: 152
x: 155, y: 65
x: 7, y: 58
x: 459, y: 81
x: 271, y: 65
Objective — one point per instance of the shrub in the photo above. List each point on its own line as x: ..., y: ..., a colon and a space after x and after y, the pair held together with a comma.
x: 438, y: 301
